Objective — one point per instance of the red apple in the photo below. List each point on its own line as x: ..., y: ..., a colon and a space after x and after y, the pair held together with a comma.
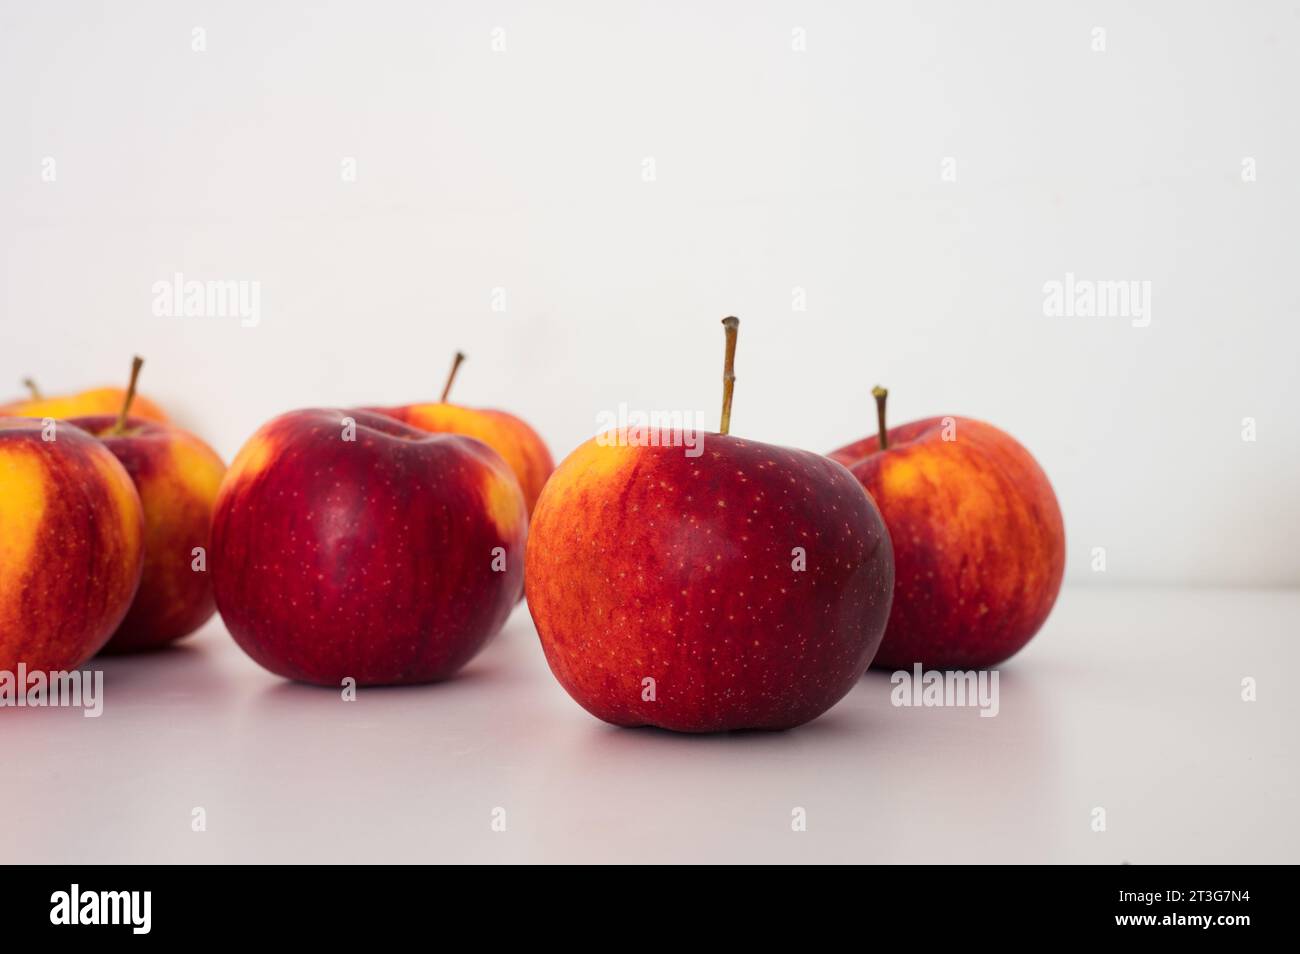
x: 71, y: 545
x: 346, y: 544
x: 979, y: 545
x: 744, y: 587
x: 176, y: 476
x: 518, y: 444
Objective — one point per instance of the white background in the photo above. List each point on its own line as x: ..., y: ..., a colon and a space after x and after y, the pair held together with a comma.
x: 775, y: 169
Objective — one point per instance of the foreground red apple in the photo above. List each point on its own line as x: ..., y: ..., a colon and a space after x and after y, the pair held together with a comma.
x: 517, y: 443
x: 743, y: 588
x: 979, y: 545
x: 71, y: 545
x: 346, y: 544
x: 176, y: 476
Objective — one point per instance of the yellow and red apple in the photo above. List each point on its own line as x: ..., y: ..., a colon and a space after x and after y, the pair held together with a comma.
x: 346, y: 544
x: 518, y: 444
x: 730, y: 584
x: 177, y: 476
x: 81, y: 404
x: 979, y: 544
x: 71, y: 544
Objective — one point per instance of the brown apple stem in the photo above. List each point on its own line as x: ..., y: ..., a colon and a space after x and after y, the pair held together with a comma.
x: 30, y: 385
x: 455, y: 366
x: 731, y: 324
x: 881, y: 395
x: 120, y: 427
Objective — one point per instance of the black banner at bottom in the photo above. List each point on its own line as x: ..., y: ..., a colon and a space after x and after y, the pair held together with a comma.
x: 332, y: 903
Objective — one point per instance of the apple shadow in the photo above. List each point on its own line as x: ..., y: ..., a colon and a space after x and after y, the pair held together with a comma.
x: 472, y: 674
x: 179, y: 667
x: 288, y: 698
x: 830, y: 724
x: 896, y: 783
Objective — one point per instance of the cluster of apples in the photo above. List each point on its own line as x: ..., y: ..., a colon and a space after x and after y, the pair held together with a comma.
x: 750, y: 586
x: 738, y: 585
x: 104, y: 521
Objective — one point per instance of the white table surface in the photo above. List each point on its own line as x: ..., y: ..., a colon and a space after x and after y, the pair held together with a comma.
x: 1129, y: 699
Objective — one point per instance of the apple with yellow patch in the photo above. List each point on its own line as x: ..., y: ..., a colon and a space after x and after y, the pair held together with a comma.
x: 176, y: 476
x: 706, y: 585
x: 518, y: 444
x: 71, y: 544
x: 979, y: 544
x: 81, y: 404
x: 346, y: 544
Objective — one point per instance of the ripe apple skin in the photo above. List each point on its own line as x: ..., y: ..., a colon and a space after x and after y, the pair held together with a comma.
x: 644, y: 563
x: 370, y: 558
x: 979, y: 544
x: 176, y: 476
x: 518, y: 444
x: 71, y: 545
x: 84, y: 404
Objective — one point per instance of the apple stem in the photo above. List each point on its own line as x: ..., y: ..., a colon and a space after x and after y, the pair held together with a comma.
x: 451, y: 376
x: 881, y: 395
x: 730, y: 324
x: 30, y: 385
x: 137, y: 363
